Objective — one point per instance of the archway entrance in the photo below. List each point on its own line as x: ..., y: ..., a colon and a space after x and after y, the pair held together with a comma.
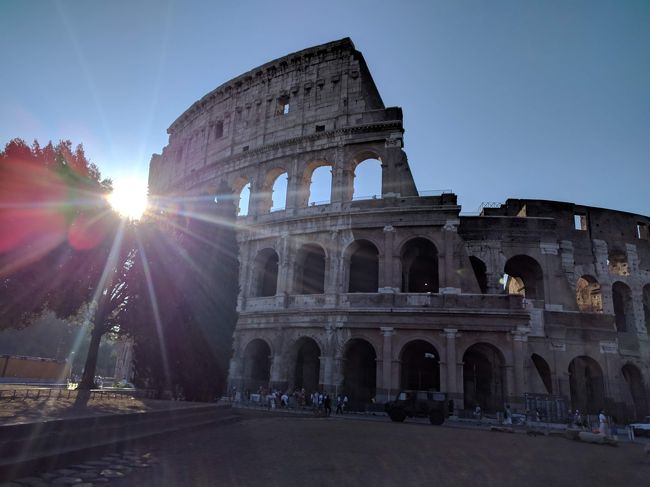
x: 306, y: 373
x: 419, y: 266
x: 359, y: 373
x: 483, y: 377
x: 586, y: 385
x: 257, y: 365
x: 420, y: 366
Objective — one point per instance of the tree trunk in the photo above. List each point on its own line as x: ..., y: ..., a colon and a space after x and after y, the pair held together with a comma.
x: 88, y: 377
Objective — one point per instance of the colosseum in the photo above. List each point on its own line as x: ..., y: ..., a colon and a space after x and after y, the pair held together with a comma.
x: 533, y: 303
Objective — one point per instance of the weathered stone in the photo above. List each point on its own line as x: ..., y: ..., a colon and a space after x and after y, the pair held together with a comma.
x: 524, y: 280
x: 66, y: 481
x: 111, y: 474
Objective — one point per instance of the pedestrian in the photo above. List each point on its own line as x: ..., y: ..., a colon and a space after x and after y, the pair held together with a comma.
x: 602, y: 420
x: 478, y: 414
x: 327, y: 404
x: 345, y: 403
x: 339, y: 405
x: 507, y: 415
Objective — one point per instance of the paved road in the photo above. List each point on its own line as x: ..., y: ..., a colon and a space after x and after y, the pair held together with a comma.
x: 269, y: 450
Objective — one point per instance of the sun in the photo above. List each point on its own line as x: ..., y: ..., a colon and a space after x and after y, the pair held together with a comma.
x: 129, y: 197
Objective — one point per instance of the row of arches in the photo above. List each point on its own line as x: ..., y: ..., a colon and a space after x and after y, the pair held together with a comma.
x: 314, y: 188
x: 483, y: 373
x: 589, y: 298
x: 419, y: 259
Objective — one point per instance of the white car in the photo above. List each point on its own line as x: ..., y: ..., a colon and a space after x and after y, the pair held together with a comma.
x: 642, y: 429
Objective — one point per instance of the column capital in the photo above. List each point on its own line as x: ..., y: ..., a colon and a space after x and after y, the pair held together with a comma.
x: 387, y: 331
x: 450, y: 333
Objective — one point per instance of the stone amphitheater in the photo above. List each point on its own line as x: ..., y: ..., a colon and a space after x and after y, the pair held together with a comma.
x: 533, y: 303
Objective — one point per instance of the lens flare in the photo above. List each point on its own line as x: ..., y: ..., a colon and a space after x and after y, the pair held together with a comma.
x: 129, y: 197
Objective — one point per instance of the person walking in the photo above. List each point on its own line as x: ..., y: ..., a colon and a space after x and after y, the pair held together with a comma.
x: 339, y: 405
x: 507, y: 415
x: 602, y: 420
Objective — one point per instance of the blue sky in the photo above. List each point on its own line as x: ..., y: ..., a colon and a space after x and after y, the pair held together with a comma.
x: 532, y: 99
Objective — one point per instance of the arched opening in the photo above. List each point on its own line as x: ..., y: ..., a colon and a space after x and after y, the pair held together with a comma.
x: 257, y: 365
x: 279, y: 192
x: 586, y: 385
x: 306, y: 373
x: 266, y: 273
x: 244, y: 200
x: 364, y: 268
x: 623, y: 307
x: 359, y: 373
x: 310, y: 270
x: 420, y: 366
x: 617, y: 262
x: 320, y: 186
x: 367, y: 180
x: 588, y: 295
x: 646, y: 307
x: 524, y: 276
x: 544, y: 372
x: 634, y: 380
x: 419, y: 266
x: 480, y: 271
x: 483, y: 377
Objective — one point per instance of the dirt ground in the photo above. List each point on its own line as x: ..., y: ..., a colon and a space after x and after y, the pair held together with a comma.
x: 21, y: 410
x: 279, y: 451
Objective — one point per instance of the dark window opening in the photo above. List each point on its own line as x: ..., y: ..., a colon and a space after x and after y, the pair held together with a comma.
x: 266, y: 266
x: 420, y: 366
x: 282, y: 108
x: 483, y: 377
x: 420, y: 267
x: 364, y: 269
x: 642, y: 231
x: 586, y: 385
x: 310, y: 273
x: 307, y: 368
x: 617, y: 262
x: 623, y: 307
x: 524, y: 276
x: 359, y: 374
x: 218, y: 130
x: 320, y: 128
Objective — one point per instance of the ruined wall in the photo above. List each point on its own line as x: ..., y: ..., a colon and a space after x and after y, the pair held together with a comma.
x: 349, y: 295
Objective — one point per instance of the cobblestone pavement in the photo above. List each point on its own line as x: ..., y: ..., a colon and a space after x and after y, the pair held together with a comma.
x: 92, y: 472
x: 269, y: 450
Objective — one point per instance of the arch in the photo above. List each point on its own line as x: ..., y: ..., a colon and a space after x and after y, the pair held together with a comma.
x: 480, y: 271
x: 310, y: 270
x: 524, y: 276
x: 623, y: 307
x: 634, y: 380
x: 279, y: 192
x: 588, y: 295
x: 419, y: 366
x: 306, y: 364
x: 363, y: 275
x: 257, y: 364
x: 646, y: 307
x: 243, y: 206
x: 617, y: 262
x: 266, y: 273
x: 586, y: 384
x: 367, y: 179
x: 419, y: 258
x: 359, y: 372
x: 316, y: 186
x: 544, y: 372
x: 483, y: 377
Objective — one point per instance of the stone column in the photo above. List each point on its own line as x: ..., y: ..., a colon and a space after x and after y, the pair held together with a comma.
x: 388, y: 280
x: 451, y: 365
x: 277, y: 379
x: 285, y: 266
x: 519, y: 340
x: 449, y: 282
x: 385, y: 389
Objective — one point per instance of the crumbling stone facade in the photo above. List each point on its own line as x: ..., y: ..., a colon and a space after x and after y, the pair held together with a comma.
x: 367, y: 296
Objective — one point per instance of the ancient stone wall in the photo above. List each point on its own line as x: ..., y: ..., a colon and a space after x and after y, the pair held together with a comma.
x: 367, y: 296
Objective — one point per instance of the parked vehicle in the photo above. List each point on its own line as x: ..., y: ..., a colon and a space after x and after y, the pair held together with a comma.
x: 419, y: 404
x: 642, y: 429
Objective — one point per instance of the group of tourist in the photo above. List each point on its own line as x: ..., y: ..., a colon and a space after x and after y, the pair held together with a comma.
x: 319, y: 402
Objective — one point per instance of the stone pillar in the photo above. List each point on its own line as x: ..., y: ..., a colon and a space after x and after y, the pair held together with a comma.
x: 385, y: 385
x: 285, y: 265
x: 388, y: 279
x: 325, y: 381
x: 277, y: 379
x: 451, y: 365
x: 519, y: 340
x: 449, y: 281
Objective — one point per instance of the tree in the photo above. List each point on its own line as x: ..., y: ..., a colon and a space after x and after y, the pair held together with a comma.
x: 61, y: 246
x: 191, y: 257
